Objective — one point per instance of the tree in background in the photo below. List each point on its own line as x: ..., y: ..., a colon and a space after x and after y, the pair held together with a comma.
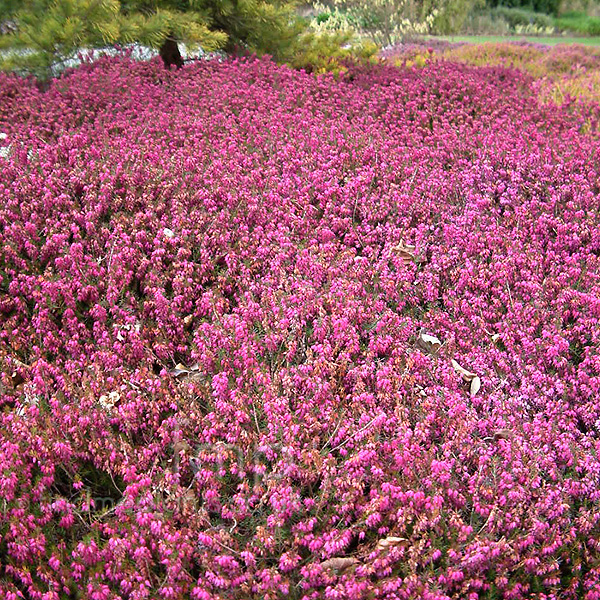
x: 451, y: 15
x: 48, y: 31
x: 391, y: 21
x: 387, y: 21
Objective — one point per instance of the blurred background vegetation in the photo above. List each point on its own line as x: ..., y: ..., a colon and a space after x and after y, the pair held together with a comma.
x: 391, y: 21
x: 42, y: 37
x: 39, y: 36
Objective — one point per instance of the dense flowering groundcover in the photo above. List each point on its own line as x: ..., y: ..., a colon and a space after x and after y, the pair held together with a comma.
x: 564, y: 73
x: 266, y: 335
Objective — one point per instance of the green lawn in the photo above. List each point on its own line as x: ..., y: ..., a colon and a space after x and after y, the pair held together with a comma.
x: 547, y: 40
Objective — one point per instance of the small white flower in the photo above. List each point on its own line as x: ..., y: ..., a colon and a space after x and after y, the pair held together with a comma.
x: 3, y: 136
x: 168, y: 232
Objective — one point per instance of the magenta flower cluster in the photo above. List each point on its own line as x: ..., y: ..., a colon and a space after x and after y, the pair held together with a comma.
x: 268, y: 335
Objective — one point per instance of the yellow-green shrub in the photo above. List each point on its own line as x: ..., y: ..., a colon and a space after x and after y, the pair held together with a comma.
x: 585, y: 86
x: 563, y: 71
x: 330, y: 51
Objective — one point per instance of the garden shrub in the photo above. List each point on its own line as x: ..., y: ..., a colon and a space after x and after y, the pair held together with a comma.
x: 548, y: 7
x: 518, y: 17
x: 272, y: 335
x: 579, y: 23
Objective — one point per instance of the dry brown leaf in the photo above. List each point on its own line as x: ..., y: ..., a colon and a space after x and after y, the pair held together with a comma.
x: 16, y: 379
x: 180, y: 369
x: 181, y: 446
x: 503, y: 434
x: 429, y: 343
x: 339, y: 564
x: 390, y: 541
x: 467, y: 375
x: 406, y: 252
x: 108, y: 401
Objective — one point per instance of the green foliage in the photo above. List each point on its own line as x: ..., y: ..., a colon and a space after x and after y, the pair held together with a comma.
x: 49, y: 31
x: 383, y: 21
x: 389, y: 21
x: 549, y: 7
x: 578, y: 22
x: 484, y: 23
x: 520, y: 17
x: 330, y: 52
x: 260, y: 26
x: 452, y: 15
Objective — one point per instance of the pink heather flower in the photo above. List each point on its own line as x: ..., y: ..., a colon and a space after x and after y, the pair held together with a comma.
x: 247, y: 297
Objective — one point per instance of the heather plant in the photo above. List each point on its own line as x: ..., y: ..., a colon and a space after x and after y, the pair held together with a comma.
x: 523, y: 57
x: 268, y: 335
x: 563, y: 72
x: 583, y: 86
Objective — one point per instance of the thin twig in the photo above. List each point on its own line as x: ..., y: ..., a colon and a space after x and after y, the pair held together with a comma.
x: 353, y: 224
x: 354, y: 434
x: 255, y: 418
x: 510, y: 296
x: 334, y: 432
x: 224, y: 545
x: 412, y: 180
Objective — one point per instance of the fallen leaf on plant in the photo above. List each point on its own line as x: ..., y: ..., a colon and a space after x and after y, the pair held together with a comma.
x: 16, y: 379
x: 429, y: 343
x: 108, y: 401
x: 180, y: 370
x: 390, y: 542
x: 503, y: 434
x: 406, y: 252
x: 339, y: 564
x: 467, y: 375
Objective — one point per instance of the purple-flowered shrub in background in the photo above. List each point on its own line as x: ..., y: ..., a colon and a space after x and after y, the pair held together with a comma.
x: 265, y: 335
